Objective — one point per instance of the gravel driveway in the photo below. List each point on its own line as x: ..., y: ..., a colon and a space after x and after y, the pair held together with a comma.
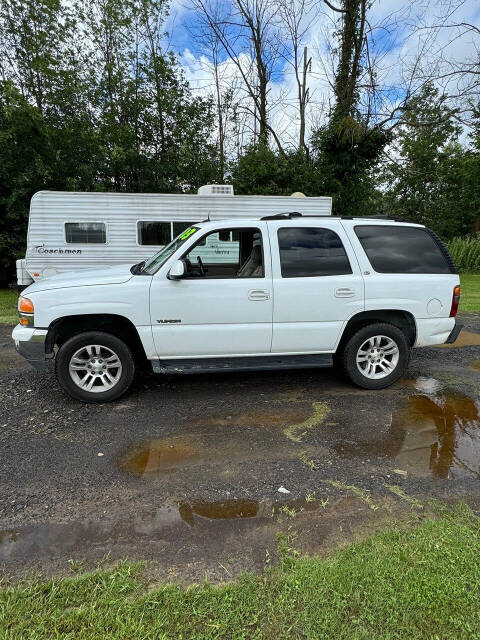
x: 185, y: 471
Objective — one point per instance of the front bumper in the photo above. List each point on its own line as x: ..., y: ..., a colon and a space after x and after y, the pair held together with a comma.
x: 30, y: 343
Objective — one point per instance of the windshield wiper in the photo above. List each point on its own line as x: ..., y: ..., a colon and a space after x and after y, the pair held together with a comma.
x: 136, y: 269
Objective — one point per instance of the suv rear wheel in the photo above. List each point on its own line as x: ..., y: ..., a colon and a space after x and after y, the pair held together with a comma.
x: 95, y: 367
x: 376, y: 356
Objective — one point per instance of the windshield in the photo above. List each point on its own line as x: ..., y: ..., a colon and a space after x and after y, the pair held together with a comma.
x: 156, y: 261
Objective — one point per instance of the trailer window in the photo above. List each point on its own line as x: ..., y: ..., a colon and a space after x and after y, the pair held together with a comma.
x: 155, y: 262
x: 85, y: 233
x: 178, y: 227
x: 154, y: 233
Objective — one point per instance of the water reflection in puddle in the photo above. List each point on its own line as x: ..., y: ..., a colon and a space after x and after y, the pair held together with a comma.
x: 436, y: 432
x: 163, y: 454
x: 233, y: 509
x: 50, y: 539
x: 426, y: 385
x: 221, y: 510
x: 167, y: 454
x: 442, y: 435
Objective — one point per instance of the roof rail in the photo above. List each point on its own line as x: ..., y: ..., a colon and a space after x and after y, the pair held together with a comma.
x: 283, y: 216
x: 391, y: 218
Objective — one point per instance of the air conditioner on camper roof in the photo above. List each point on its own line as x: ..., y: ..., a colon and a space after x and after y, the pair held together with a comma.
x: 216, y: 190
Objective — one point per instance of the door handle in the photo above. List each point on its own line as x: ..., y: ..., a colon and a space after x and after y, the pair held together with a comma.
x: 344, y: 292
x: 258, y: 294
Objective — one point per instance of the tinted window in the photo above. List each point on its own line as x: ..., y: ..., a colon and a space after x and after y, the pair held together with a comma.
x: 85, y: 233
x: 178, y: 227
x: 306, y: 251
x: 401, y: 249
x: 155, y: 233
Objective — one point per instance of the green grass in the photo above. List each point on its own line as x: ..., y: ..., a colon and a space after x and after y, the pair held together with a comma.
x: 403, y: 584
x: 8, y: 306
x: 470, y: 298
x: 466, y: 253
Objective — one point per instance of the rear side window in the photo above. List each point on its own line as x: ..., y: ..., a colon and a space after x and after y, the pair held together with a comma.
x: 85, y: 233
x: 393, y: 249
x: 311, y: 251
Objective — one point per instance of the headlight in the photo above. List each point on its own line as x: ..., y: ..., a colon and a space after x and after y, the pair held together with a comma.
x: 26, y: 311
x: 25, y: 305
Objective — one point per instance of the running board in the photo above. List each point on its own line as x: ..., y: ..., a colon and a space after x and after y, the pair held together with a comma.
x: 244, y: 363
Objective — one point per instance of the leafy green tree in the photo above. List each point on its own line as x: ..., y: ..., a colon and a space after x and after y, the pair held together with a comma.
x: 265, y: 172
x: 347, y: 156
x: 348, y: 147
x: 90, y: 101
x: 430, y: 178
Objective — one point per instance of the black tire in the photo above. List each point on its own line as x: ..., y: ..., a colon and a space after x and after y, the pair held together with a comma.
x: 349, y: 355
x: 111, y: 342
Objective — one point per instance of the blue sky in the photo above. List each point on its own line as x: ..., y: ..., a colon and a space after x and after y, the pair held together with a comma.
x: 409, y: 43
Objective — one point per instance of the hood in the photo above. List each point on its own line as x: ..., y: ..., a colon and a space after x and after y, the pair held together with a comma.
x: 83, y: 278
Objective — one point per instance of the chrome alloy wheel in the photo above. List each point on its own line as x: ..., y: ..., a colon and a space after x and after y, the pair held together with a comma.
x: 95, y: 368
x: 377, y: 357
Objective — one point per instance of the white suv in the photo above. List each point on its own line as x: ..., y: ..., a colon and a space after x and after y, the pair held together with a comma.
x: 289, y: 292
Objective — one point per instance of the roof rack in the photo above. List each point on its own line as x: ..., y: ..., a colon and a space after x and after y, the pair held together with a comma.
x: 283, y: 216
x: 295, y: 214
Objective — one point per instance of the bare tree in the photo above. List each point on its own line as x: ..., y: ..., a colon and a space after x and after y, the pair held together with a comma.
x: 295, y: 19
x: 247, y: 26
x: 456, y: 75
x: 224, y: 87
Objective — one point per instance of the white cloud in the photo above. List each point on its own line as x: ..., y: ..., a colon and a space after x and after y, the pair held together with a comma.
x: 405, y: 41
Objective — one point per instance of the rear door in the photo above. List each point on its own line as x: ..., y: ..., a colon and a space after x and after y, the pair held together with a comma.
x: 317, y: 284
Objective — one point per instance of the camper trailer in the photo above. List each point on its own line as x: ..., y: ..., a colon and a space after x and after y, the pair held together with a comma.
x: 73, y: 231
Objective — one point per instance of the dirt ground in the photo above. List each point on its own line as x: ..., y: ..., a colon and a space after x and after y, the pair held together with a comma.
x: 185, y: 472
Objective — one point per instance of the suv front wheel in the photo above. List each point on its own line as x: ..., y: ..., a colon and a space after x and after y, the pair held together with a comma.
x: 376, y: 356
x: 95, y: 367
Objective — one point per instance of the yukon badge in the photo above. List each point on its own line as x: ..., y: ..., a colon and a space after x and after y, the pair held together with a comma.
x: 168, y: 321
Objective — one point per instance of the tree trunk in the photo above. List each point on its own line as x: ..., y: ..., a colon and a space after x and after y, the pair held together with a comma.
x: 351, y: 46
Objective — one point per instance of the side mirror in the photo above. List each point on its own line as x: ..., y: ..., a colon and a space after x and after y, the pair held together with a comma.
x: 177, y: 271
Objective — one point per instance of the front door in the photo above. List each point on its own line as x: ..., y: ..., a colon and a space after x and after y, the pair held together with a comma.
x: 223, y: 307
x: 317, y: 285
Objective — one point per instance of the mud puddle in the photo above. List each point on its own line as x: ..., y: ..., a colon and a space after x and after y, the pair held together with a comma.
x: 233, y: 509
x: 167, y: 523
x: 153, y: 456
x: 434, y: 432
x: 168, y: 455
x: 465, y: 339
x: 294, y: 421
x: 217, y: 438
x: 50, y: 539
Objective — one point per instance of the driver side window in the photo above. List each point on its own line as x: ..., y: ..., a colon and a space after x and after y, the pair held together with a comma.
x: 227, y: 253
